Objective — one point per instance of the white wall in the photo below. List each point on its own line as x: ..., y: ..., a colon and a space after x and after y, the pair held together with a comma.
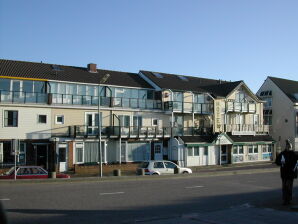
x: 28, y: 126
x: 282, y: 110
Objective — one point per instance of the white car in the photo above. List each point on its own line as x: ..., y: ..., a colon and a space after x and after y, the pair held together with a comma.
x: 158, y: 167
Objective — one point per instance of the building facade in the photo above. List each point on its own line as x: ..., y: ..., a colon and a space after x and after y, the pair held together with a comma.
x: 60, y: 113
x: 281, y: 109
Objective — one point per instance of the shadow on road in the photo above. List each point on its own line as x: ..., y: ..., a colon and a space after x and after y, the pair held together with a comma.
x: 262, y: 199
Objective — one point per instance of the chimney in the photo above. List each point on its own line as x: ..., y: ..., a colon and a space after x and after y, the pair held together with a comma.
x: 92, y: 68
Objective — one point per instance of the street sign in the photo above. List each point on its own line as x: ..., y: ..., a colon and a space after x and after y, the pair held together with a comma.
x: 15, y: 147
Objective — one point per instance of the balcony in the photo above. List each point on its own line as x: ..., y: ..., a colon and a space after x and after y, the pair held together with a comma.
x: 241, y: 107
x: 185, y: 107
x: 82, y: 131
x: 135, y: 103
x: 247, y: 128
x: 23, y: 97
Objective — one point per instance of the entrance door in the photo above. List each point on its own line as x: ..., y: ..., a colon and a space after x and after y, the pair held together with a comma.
x: 158, y: 154
x: 62, y: 157
x: 92, y: 123
x: 224, y: 154
x: 42, y: 155
x: 204, y: 158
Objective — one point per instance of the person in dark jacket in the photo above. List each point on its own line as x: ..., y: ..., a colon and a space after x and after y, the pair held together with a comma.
x: 287, y: 160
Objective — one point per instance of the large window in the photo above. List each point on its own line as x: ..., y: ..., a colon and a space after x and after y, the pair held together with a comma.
x: 79, y: 153
x: 10, y: 118
x: 296, y: 124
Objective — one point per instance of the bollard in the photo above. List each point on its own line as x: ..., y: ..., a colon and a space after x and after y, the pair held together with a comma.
x: 117, y: 172
x: 141, y: 171
x: 52, y: 175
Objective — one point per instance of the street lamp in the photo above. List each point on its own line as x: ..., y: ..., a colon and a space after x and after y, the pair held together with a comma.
x: 101, y: 81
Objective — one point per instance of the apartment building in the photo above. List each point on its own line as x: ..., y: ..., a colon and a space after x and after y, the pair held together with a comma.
x: 225, y: 120
x: 281, y: 109
x: 61, y: 113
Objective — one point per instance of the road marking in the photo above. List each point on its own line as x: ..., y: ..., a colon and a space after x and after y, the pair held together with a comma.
x: 194, y: 187
x: 111, y: 193
x: 4, y: 199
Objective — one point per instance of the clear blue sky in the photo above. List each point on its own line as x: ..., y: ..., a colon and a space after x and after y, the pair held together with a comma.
x: 221, y: 39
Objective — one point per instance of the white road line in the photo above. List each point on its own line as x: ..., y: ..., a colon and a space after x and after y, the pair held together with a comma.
x: 111, y: 193
x: 4, y: 199
x: 193, y: 187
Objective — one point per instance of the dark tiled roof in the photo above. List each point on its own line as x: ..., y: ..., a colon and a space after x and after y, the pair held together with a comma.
x: 196, y: 139
x: 251, y: 138
x: 171, y: 81
x: 223, y: 89
x: 69, y: 74
x: 289, y: 87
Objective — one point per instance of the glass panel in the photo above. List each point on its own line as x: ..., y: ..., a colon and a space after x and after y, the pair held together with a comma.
x: 28, y: 86
x: 170, y: 165
x: 53, y: 87
x: 39, y: 87
x: 196, y: 151
x: 142, y: 94
x: 81, y: 90
x: 159, y: 165
x: 5, y: 84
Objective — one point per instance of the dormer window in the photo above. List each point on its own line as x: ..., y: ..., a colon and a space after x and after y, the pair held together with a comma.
x: 57, y: 68
x: 157, y: 75
x: 184, y: 78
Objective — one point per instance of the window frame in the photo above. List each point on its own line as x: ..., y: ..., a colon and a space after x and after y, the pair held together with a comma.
x: 58, y: 122
x: 39, y: 121
x: 14, y: 119
x: 79, y: 145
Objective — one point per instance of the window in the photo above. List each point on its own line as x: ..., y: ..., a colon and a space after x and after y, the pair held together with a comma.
x: 79, y: 153
x: 267, y: 114
x: 154, y: 122
x: 137, y: 121
x: 170, y: 165
x: 158, y: 165
x: 190, y: 151
x: 5, y: 84
x: 124, y: 120
x: 42, y: 119
x: 252, y: 149
x: 184, y: 78
x: 59, y: 119
x: 238, y: 149
x: 205, y: 151
x: 157, y: 75
x: 10, y: 118
x: 296, y: 124
x: 196, y: 151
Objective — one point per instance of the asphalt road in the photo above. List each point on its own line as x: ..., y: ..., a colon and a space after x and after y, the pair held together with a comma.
x: 134, y: 201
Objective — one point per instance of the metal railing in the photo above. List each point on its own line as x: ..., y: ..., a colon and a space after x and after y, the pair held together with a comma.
x: 241, y: 107
x: 22, y: 97
x: 247, y: 128
x: 70, y: 99
x: 177, y: 106
x: 128, y: 132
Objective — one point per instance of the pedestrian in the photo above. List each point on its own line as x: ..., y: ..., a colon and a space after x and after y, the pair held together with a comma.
x: 287, y: 160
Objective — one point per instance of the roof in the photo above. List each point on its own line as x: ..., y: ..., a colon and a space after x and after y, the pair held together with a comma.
x: 251, y: 138
x: 172, y: 81
x: 196, y: 139
x: 35, y: 70
x: 289, y: 87
x: 222, y: 90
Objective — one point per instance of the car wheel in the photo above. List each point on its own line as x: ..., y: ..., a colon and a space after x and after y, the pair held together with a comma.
x: 185, y: 172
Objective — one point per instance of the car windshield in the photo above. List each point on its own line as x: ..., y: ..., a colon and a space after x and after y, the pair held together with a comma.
x: 144, y: 164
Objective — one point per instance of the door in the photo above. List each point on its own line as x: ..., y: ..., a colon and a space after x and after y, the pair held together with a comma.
x: 62, y: 157
x: 204, y: 157
x: 224, y: 154
x: 170, y: 167
x: 158, y: 154
x: 92, y: 123
x: 41, y: 156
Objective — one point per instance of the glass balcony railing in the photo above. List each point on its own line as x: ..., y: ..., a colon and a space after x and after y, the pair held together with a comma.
x: 247, y: 128
x: 240, y: 107
x: 23, y: 97
x: 201, y: 108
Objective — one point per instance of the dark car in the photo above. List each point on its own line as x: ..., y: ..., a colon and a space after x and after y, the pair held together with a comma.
x: 30, y: 172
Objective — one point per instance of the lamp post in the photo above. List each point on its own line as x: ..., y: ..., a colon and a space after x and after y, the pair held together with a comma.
x: 101, y: 81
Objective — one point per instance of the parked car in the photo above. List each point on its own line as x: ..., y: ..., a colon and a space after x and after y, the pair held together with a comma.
x: 30, y: 172
x: 158, y: 167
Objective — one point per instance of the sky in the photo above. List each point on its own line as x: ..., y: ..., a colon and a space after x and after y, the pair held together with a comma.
x: 218, y: 39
